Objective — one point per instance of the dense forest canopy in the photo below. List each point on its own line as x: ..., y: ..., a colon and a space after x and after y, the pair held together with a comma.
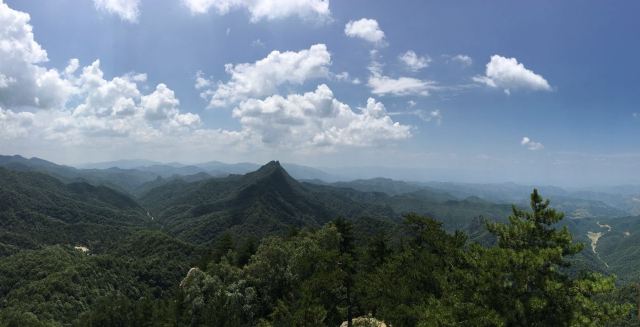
x: 265, y: 249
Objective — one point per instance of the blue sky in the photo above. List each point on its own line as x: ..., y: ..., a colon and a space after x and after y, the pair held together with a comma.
x: 478, y: 78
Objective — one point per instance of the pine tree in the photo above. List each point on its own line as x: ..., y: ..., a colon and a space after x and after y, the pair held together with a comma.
x: 526, y: 277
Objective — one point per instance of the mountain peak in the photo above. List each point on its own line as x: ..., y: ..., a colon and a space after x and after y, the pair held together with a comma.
x: 273, y: 173
x: 271, y: 166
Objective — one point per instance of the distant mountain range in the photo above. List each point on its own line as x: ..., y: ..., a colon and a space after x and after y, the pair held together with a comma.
x: 136, y: 177
x: 42, y: 203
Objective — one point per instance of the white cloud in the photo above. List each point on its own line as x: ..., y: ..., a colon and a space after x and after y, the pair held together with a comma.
x: 117, y: 108
x: 434, y: 115
x: 413, y: 61
x: 508, y: 74
x: 400, y: 86
x: 385, y: 85
x: 531, y: 145
x: 426, y: 116
x: 23, y: 81
x: 80, y: 108
x: 635, y: 115
x: 6, y: 81
x: 366, y: 29
x: 125, y: 9
x: 265, y: 9
x: 258, y: 43
x: 317, y: 119
x: 14, y: 124
x: 346, y: 77
x: 262, y: 78
x: 464, y: 60
x: 201, y: 81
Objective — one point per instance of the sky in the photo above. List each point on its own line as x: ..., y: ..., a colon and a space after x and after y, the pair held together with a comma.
x: 480, y: 91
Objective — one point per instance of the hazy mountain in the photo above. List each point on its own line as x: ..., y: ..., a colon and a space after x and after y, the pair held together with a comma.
x: 122, y: 164
x: 214, y: 168
x: 262, y: 202
x: 169, y: 170
x: 124, y: 180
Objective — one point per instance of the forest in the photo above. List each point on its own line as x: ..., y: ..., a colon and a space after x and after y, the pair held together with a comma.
x: 263, y: 249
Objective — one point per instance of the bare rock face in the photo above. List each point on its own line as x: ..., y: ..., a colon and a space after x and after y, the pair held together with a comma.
x: 82, y: 249
x: 365, y: 322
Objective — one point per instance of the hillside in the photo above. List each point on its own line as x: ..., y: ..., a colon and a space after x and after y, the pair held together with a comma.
x: 259, y: 203
x: 37, y: 209
x: 123, y: 180
x: 141, y: 249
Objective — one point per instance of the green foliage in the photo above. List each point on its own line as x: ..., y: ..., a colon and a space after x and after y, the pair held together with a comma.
x: 430, y: 278
x: 527, y: 282
x: 264, y: 250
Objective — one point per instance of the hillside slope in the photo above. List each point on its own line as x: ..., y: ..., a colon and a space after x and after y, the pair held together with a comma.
x: 37, y: 209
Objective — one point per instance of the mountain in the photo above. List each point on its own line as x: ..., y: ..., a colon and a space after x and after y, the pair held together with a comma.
x: 385, y: 185
x: 614, y: 242
x: 259, y: 203
x: 122, y: 164
x: 300, y: 172
x: 37, y: 209
x: 142, y: 248
x: 214, y: 168
x: 124, y: 180
x: 169, y: 170
x: 270, y: 201
x: 17, y: 162
x: 495, y: 192
x: 623, y: 198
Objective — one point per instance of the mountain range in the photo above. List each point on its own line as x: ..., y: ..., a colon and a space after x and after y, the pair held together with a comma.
x: 45, y: 203
x: 144, y: 226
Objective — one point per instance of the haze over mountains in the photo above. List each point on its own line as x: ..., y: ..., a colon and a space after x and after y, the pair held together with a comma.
x: 211, y: 193
x: 137, y: 176
x: 153, y: 221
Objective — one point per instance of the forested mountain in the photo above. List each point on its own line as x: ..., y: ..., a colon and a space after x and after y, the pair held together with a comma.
x: 37, y: 209
x: 264, y: 248
x: 260, y: 203
x: 123, y: 180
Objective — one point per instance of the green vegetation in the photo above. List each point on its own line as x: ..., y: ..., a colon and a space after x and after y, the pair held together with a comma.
x: 262, y: 249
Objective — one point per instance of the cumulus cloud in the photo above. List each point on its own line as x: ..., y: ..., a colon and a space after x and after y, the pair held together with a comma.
x: 117, y: 108
x: 6, y: 81
x: 262, y: 78
x: 14, y: 124
x: 93, y: 112
x: 463, y: 60
x: 317, y: 119
x: 508, y: 74
x: 36, y: 101
x: 265, y: 9
x: 24, y: 82
x: 414, y: 62
x: 125, y: 9
x: 531, y: 145
x: 366, y: 29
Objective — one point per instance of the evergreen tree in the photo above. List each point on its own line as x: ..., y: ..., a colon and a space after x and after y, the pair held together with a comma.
x: 526, y: 277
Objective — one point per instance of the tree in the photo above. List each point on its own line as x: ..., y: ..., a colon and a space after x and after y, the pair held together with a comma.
x: 526, y: 278
x: 347, y: 249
